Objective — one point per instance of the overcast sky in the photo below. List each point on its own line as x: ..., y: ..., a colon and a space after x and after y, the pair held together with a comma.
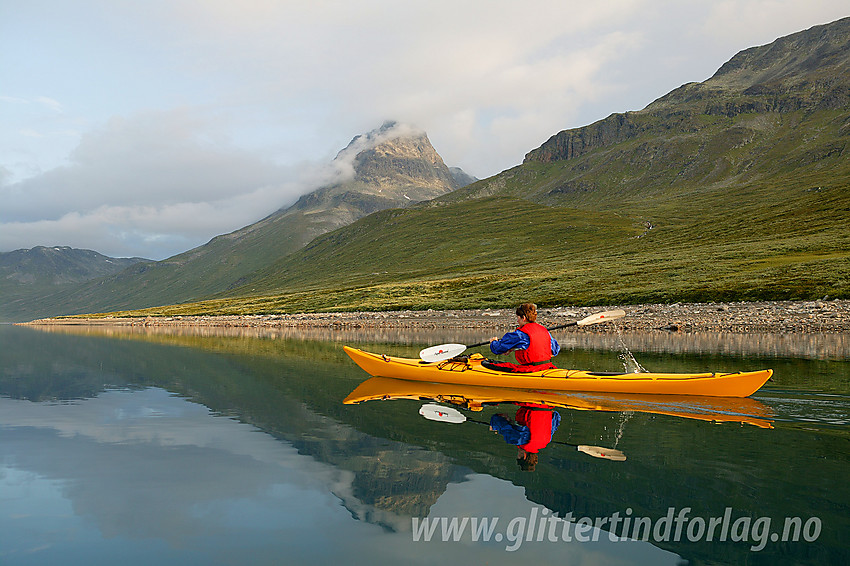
x: 145, y: 128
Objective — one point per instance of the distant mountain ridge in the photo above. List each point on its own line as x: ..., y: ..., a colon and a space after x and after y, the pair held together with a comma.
x: 59, y: 265
x: 44, y: 271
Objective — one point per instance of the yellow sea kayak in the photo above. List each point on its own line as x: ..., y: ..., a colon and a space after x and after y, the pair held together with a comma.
x: 470, y: 372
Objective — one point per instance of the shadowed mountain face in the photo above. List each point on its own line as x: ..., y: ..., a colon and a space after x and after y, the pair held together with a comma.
x: 807, y: 71
x: 391, y: 167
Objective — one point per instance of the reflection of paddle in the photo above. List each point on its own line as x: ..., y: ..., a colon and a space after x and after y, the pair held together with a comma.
x: 447, y: 351
x: 450, y: 415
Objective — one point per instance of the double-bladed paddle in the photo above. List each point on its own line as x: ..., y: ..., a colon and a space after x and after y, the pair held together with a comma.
x: 434, y: 412
x: 447, y: 351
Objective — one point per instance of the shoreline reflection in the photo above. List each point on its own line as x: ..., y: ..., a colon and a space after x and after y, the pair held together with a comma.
x: 823, y: 346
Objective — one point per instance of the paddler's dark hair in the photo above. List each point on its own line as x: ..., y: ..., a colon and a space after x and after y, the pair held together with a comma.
x: 527, y: 311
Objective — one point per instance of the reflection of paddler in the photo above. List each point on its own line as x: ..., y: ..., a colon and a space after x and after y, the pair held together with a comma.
x: 451, y: 415
x: 532, y: 430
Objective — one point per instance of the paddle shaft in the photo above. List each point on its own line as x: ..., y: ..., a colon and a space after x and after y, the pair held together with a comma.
x: 549, y: 329
x: 443, y: 352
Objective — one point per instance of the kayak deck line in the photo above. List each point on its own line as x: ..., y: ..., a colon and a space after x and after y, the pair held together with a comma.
x: 469, y: 371
x: 453, y: 365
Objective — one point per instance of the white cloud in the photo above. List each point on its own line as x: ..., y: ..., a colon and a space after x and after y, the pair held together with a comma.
x: 30, y: 133
x: 50, y: 103
x: 161, y: 157
x: 13, y: 100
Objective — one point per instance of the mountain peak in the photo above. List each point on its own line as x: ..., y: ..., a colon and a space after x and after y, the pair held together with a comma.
x: 389, y: 131
x: 395, y: 161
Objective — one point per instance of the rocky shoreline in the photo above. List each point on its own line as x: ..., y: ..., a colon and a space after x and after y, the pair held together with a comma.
x: 824, y: 316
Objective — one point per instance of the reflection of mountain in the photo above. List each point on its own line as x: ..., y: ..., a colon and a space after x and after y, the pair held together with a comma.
x: 144, y: 476
x: 151, y: 476
x: 392, y: 464
x: 387, y: 479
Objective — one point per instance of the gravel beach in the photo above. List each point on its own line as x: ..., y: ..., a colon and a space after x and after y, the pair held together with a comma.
x: 824, y: 316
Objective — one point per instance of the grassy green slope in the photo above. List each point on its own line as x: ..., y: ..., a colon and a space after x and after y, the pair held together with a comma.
x: 757, y: 244
x: 469, y: 238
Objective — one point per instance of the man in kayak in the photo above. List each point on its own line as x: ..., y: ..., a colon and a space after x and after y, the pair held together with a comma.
x: 532, y: 430
x: 533, y: 346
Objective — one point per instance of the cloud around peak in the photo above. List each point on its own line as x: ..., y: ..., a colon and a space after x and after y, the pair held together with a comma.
x: 159, y: 183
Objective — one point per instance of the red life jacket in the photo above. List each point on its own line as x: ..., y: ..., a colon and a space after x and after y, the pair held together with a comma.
x: 540, y: 348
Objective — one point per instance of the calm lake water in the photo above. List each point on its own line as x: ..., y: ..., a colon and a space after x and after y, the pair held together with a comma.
x: 156, y: 448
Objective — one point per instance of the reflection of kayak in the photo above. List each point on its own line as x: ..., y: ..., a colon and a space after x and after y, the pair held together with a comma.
x: 474, y: 397
x: 471, y: 372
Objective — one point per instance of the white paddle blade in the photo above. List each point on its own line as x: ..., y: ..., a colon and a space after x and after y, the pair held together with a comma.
x: 443, y: 414
x: 599, y: 452
x: 601, y: 317
x: 441, y: 352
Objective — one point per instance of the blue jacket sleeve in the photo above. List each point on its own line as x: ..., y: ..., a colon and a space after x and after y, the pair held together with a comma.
x: 555, y: 347
x: 512, y: 340
x: 512, y: 433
